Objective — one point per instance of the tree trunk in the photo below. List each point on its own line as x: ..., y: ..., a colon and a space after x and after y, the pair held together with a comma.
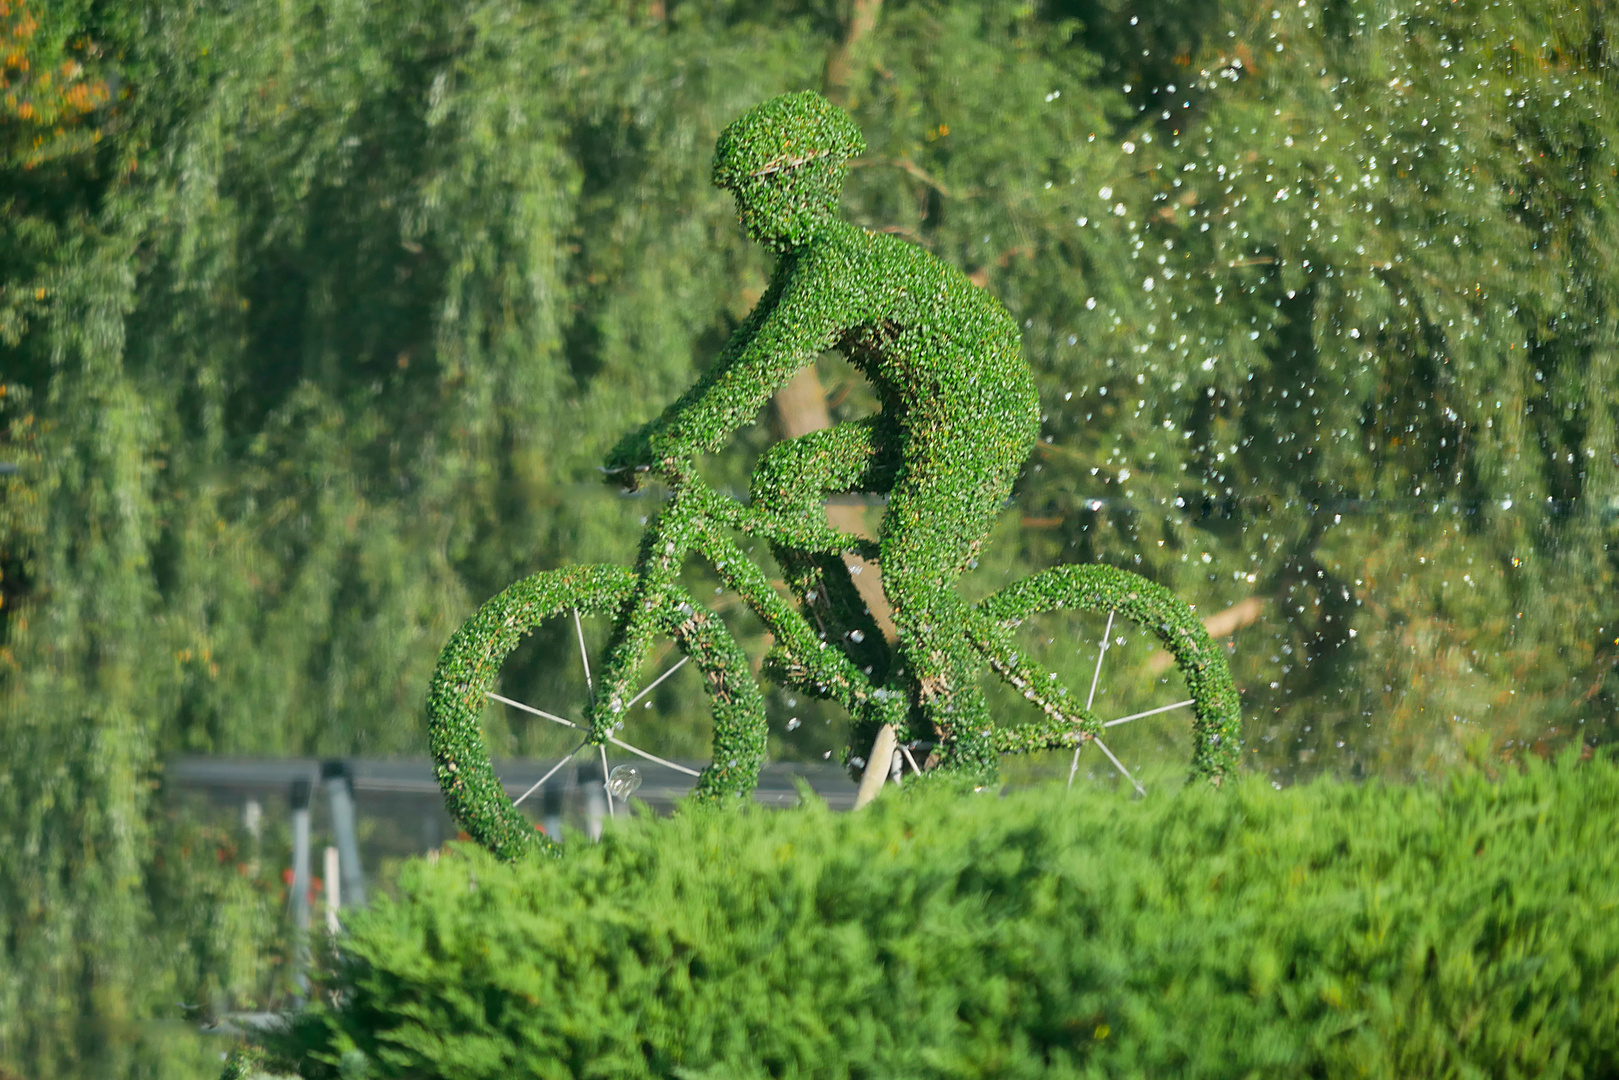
x: 842, y: 63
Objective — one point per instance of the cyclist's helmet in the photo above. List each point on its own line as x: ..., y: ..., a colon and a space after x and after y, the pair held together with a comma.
x: 781, y: 134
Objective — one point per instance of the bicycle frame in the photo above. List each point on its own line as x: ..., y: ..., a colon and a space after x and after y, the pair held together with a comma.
x: 698, y: 518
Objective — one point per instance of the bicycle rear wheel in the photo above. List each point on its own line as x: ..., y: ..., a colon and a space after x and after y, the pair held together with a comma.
x: 1035, y: 636
x: 573, y: 599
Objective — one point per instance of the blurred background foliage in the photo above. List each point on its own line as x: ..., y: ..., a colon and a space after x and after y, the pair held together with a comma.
x: 315, y: 320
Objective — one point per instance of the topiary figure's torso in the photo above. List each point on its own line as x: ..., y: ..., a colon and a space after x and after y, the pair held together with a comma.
x: 944, y: 356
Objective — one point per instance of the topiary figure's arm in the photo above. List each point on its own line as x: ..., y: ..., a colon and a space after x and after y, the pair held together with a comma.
x: 792, y: 323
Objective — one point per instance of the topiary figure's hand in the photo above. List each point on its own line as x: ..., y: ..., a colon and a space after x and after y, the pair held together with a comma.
x: 638, y: 455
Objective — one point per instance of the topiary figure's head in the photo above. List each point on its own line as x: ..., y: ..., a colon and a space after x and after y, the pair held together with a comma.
x: 785, y: 161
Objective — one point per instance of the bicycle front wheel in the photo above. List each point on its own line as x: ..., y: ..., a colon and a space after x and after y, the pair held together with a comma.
x: 572, y: 612
x: 1102, y: 653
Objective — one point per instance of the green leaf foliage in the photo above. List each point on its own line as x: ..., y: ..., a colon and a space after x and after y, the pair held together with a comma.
x: 1456, y: 929
x: 314, y: 329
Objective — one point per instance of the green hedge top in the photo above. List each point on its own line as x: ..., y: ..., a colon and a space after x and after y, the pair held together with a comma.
x: 1467, y: 928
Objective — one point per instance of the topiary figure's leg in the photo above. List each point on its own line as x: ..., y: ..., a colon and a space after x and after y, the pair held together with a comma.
x: 792, y: 480
x: 941, y: 667
x: 956, y: 477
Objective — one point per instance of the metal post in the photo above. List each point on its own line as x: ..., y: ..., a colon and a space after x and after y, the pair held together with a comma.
x: 253, y: 822
x: 340, y: 797
x: 592, y: 781
x: 551, y: 802
x: 301, y: 791
x: 253, y: 819
x: 334, y: 893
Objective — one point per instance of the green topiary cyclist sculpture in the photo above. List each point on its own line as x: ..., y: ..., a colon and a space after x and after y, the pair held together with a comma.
x: 959, y: 415
x: 959, y: 409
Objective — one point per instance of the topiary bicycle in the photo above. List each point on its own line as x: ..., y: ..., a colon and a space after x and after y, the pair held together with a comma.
x: 648, y: 602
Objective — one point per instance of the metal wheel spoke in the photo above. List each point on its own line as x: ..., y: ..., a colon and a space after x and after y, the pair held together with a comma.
x: 584, y: 658
x: 1149, y: 712
x: 1117, y: 764
x: 653, y: 685
x: 590, y: 684
x: 1107, y: 636
x: 1090, y: 698
x: 622, y: 745
x: 536, y: 785
x: 553, y: 717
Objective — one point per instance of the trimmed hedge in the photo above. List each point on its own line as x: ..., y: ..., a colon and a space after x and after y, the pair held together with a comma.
x: 1462, y: 928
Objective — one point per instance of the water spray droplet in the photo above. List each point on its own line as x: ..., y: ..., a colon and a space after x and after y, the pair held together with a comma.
x: 623, y: 781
